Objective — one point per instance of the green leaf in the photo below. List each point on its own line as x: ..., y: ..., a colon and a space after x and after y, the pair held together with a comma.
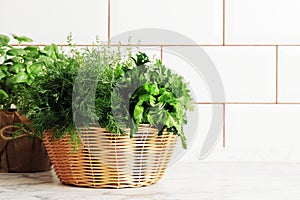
x: 22, y: 38
x: 143, y: 98
x: 21, y: 77
x: 3, y: 94
x: 167, y: 97
x: 51, y: 51
x: 2, y: 74
x: 17, y: 59
x: 138, y: 113
x: 46, y: 60
x: 150, y: 119
x: 32, y: 48
x: 169, y: 73
x: 32, y: 52
x: 4, y: 69
x: 118, y: 71
x: 170, y: 121
x: 152, y: 88
x: 4, y: 40
x: 17, y: 68
x: 16, y: 52
x: 141, y: 59
x: 152, y: 100
x: 35, y: 68
x: 183, y: 141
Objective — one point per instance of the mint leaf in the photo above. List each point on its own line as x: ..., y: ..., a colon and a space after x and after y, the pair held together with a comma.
x: 4, y: 40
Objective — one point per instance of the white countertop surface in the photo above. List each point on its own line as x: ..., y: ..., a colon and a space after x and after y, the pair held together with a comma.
x: 183, y: 181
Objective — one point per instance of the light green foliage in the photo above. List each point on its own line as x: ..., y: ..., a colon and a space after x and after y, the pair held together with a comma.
x: 20, y: 67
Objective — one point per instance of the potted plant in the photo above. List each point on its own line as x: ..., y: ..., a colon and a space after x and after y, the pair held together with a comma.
x: 99, y: 129
x: 19, y: 67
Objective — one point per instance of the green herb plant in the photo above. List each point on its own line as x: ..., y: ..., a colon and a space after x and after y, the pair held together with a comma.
x: 48, y: 100
x: 99, y: 85
x: 60, y: 99
x: 139, y: 91
x: 162, y: 98
x: 20, y: 66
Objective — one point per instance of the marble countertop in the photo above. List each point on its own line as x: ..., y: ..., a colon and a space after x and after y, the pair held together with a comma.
x: 183, y: 181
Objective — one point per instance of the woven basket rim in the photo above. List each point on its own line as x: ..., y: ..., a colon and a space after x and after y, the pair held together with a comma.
x: 127, y: 134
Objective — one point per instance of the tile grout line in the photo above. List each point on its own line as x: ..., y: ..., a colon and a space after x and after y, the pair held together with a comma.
x: 165, y: 45
x: 243, y: 103
x: 108, y: 20
x: 224, y: 125
x: 223, y: 22
x: 276, y: 74
x: 161, y: 52
x: 247, y: 103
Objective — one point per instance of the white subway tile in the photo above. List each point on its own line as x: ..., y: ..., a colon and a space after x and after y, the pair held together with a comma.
x: 52, y: 21
x: 192, y: 75
x: 199, y: 128
x: 199, y: 20
x: 288, y: 74
x: 248, y: 74
x: 262, y: 132
x: 262, y: 22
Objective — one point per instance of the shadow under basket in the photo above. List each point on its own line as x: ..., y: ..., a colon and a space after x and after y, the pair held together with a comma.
x: 105, y: 160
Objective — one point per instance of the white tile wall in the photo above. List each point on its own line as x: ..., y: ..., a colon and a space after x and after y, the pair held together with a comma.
x: 248, y: 73
x: 263, y: 126
x: 262, y: 22
x: 199, y: 20
x: 263, y: 132
x: 256, y: 128
x: 289, y: 73
x: 52, y: 21
x: 203, y: 126
x: 191, y: 75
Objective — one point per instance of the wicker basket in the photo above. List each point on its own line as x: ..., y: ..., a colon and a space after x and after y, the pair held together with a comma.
x: 105, y: 160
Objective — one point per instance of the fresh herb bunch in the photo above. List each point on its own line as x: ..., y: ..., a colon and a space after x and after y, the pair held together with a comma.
x: 98, y: 85
x: 48, y: 100
x: 106, y: 83
x: 19, y: 68
x: 150, y: 93
x: 101, y: 69
x: 62, y: 98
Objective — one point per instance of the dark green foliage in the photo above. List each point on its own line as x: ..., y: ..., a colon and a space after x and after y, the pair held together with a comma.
x: 62, y: 99
x: 49, y: 101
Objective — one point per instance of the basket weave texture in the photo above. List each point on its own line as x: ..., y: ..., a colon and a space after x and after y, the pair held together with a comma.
x: 105, y: 160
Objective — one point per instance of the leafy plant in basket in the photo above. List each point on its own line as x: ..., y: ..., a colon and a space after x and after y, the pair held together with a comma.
x: 121, y: 152
x: 20, y: 66
x: 149, y: 93
x: 51, y: 104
